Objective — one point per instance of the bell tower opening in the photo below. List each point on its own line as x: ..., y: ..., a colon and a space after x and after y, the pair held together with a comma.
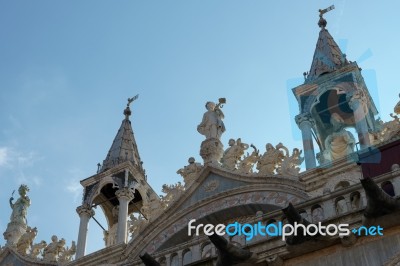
x: 120, y: 188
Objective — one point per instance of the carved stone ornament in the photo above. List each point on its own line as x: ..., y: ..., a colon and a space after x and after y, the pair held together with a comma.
x: 211, y: 186
x: 304, y: 118
x: 37, y: 249
x: 232, y: 155
x: 66, y: 254
x: 247, y: 163
x: 390, y: 129
x: 290, y: 165
x: 85, y: 209
x: 211, y: 151
x: 125, y: 193
x: 271, y: 159
x: 190, y: 172
x: 26, y: 240
x: 212, y: 125
x: 135, y: 224
x: 172, y: 193
x: 52, y: 251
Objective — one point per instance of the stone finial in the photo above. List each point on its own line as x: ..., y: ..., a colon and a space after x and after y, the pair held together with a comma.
x: 247, y: 163
x: 322, y: 22
x: 290, y: 163
x: 271, y: 159
x: 26, y: 240
x: 50, y: 252
x: 127, y: 111
x: 66, y: 254
x: 172, y: 193
x: 135, y: 224
x: 37, y: 249
x: 232, y: 155
x: 396, y: 109
x: 190, y: 171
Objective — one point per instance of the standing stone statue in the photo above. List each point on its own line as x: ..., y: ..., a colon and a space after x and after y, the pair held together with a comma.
x: 212, y: 125
x: 212, y: 128
x: 26, y: 240
x: 340, y: 143
x: 233, y: 154
x: 271, y: 159
x: 190, y: 171
x: 17, y: 225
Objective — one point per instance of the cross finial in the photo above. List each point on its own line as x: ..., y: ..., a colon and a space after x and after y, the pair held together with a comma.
x: 127, y: 111
x: 322, y: 22
x: 130, y: 100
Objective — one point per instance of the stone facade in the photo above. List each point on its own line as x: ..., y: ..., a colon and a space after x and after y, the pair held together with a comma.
x: 265, y: 187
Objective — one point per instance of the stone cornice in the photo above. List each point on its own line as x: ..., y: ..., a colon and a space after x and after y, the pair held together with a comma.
x: 25, y: 259
x: 112, y: 254
x: 308, y: 88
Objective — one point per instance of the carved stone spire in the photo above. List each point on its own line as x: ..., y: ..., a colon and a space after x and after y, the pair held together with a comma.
x: 327, y: 56
x: 124, y: 146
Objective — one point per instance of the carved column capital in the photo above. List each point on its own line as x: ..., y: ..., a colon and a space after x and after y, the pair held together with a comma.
x: 85, y: 209
x: 125, y: 193
x: 301, y: 119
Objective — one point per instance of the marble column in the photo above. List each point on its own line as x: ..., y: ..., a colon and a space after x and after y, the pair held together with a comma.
x: 356, y: 103
x: 85, y: 212
x: 305, y: 123
x: 124, y: 195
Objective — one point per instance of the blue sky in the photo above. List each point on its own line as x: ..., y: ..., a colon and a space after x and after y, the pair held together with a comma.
x: 67, y: 68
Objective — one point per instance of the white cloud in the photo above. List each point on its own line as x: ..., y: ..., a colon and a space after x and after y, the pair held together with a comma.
x: 73, y: 185
x: 12, y: 158
x: 26, y: 159
x: 17, y: 162
x: 4, y: 153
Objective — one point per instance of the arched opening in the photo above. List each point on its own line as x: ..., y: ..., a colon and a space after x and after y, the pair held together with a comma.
x: 95, y: 234
x: 355, y: 199
x: 187, y: 257
x: 341, y: 185
x: 174, y: 260
x: 328, y: 103
x: 303, y: 214
x: 388, y: 187
x: 317, y: 213
x: 108, y: 201
x: 206, y: 250
x: 162, y: 261
x: 341, y: 205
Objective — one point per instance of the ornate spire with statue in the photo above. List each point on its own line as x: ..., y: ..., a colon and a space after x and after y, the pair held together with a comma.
x: 20, y: 237
x: 212, y: 128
